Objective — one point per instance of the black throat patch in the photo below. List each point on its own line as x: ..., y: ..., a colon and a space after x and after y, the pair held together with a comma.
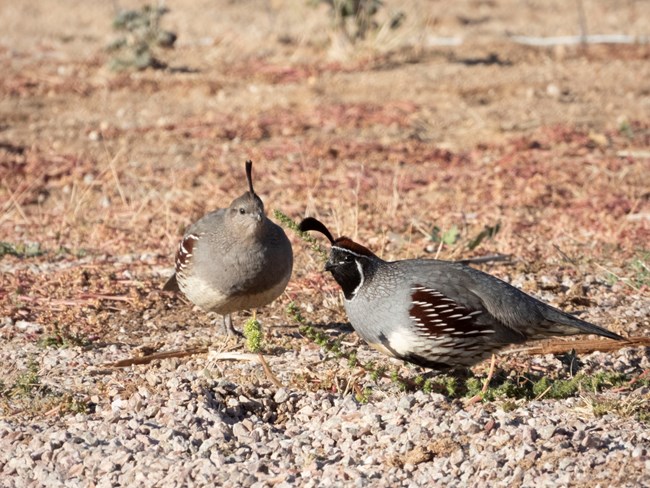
x: 349, y: 264
x: 347, y: 270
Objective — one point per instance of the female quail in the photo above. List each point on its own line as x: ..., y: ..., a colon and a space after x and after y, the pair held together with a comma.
x: 233, y: 258
x: 438, y: 314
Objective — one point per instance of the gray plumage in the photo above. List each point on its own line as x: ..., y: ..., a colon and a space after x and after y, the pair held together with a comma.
x: 233, y: 258
x: 438, y: 314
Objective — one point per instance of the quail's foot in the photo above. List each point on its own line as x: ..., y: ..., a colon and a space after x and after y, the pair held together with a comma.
x: 227, y: 327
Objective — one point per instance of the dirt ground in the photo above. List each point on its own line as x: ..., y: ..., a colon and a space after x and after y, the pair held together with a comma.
x: 383, y: 140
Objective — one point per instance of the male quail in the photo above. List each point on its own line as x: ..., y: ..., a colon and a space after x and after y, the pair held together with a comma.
x: 233, y: 258
x: 438, y: 314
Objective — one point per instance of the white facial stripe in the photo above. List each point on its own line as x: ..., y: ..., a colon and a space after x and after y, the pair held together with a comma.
x: 354, y: 293
x: 344, y: 249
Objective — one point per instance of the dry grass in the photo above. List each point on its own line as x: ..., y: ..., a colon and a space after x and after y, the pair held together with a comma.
x: 104, y: 170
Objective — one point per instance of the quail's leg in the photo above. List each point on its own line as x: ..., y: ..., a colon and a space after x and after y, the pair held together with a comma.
x: 228, y: 328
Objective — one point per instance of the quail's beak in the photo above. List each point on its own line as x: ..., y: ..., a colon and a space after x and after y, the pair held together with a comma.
x: 329, y: 266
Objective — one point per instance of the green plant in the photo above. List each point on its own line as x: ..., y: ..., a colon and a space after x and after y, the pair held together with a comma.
x: 636, y: 273
x: 488, y: 232
x: 631, y: 407
x: 289, y: 223
x: 142, y: 36
x: 253, y: 335
x: 27, y: 383
x: 445, y: 384
x: 641, y: 271
x: 21, y: 250
x: 74, y: 405
x: 363, y: 396
x: 528, y: 387
x: 355, y: 18
x: 625, y: 129
x: 77, y: 253
x: 34, y: 249
x: 62, y: 339
x: 28, y: 395
x: 449, y: 237
x: 508, y: 405
x: 335, y: 348
x: 453, y: 236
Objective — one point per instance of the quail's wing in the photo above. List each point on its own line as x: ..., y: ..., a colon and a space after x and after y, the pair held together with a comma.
x: 448, y: 299
x: 511, y: 311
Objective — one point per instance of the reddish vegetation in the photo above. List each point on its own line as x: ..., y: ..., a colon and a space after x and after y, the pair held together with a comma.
x: 383, y: 147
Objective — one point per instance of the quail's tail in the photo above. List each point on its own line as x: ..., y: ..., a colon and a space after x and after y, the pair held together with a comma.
x: 562, y: 323
x: 172, y: 284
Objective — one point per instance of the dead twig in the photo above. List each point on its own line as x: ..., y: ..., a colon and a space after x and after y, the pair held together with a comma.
x: 619, y: 278
x: 576, y: 40
x: 13, y: 200
x: 100, y: 296
x: 252, y: 357
x: 581, y: 347
x: 269, y: 374
x: 490, y: 258
x: 123, y: 363
x: 543, y: 394
x: 486, y: 383
x: 83, y: 299
x: 565, y: 256
x: 631, y: 382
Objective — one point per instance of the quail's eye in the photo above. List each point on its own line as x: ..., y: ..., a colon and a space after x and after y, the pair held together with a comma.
x: 242, y: 211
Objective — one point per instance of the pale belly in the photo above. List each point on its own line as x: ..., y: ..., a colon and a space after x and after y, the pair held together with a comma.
x: 210, y: 299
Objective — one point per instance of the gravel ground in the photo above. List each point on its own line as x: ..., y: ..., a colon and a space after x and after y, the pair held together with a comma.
x: 552, y: 143
x: 184, y: 422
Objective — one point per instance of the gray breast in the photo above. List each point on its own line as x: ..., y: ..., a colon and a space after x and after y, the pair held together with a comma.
x: 230, y: 275
x: 380, y: 306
